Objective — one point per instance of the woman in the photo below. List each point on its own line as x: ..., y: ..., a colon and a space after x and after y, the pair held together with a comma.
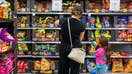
x: 67, y: 65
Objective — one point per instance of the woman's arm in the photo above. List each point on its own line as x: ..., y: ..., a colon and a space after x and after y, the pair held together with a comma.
x: 82, y: 36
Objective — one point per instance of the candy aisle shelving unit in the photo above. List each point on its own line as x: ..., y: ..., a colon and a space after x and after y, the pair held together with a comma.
x: 9, y: 23
x: 31, y: 13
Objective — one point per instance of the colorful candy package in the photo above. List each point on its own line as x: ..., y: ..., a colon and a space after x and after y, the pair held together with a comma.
x: 6, y: 36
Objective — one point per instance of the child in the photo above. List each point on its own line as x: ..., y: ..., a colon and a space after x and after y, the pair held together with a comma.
x: 102, y: 56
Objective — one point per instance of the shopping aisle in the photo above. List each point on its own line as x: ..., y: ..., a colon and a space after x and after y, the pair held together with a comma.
x: 31, y: 23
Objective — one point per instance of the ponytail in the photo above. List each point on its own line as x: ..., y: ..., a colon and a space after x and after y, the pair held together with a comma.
x: 108, y: 54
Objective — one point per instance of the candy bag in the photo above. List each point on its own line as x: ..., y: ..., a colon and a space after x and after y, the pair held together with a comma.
x: 117, y: 65
x: 128, y: 66
x: 45, y: 64
x: 6, y: 36
x: 37, y: 65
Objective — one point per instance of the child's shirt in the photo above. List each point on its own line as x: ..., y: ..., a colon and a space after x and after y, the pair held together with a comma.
x: 100, y: 56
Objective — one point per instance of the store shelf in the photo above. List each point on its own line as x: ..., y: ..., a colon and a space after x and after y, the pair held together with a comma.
x: 56, y: 57
x: 54, y: 28
x: 57, y: 28
x: 108, y: 28
x: 90, y: 56
x: 48, y: 42
x: 112, y: 42
x: 121, y: 57
x: 117, y: 73
x: 85, y: 42
x: 56, y: 72
x: 66, y: 13
x: 27, y: 28
x: 24, y: 56
x: 24, y: 41
x: 45, y: 57
x: 111, y: 56
x: 24, y: 73
x: 24, y: 13
x: 2, y: 20
x: 52, y: 13
x: 110, y: 13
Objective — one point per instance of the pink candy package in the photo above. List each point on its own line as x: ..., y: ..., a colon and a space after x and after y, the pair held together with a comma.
x: 7, y: 65
x: 4, y: 35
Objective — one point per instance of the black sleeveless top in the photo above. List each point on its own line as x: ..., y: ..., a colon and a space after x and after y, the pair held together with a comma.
x: 76, y: 28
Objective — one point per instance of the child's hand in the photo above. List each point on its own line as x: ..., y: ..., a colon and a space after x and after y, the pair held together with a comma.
x: 94, y: 53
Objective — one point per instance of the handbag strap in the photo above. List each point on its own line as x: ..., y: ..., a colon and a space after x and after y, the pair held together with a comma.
x: 70, y: 32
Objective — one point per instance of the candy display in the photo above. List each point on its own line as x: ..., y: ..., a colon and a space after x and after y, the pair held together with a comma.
x: 68, y: 5
x: 120, y: 65
x: 124, y: 21
x: 5, y: 9
x: 21, y: 35
x: 119, y: 54
x: 5, y: 39
x: 7, y: 64
x: 91, y: 22
x: 37, y: 49
x: 117, y: 65
x: 44, y: 65
x: 21, y: 5
x: 125, y: 35
x: 4, y: 47
x: 45, y: 35
x: 106, y: 34
x: 46, y: 50
x: 98, y: 22
x: 22, y: 65
x: 92, y: 48
x: 91, y: 66
x: 130, y: 22
x: 98, y: 6
x: 22, y: 22
x: 128, y: 66
x: 44, y: 21
x: 22, y: 47
x: 99, y: 33
x: 6, y: 36
x: 104, y: 5
x: 42, y: 6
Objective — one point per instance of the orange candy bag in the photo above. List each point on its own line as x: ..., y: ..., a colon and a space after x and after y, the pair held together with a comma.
x: 117, y: 65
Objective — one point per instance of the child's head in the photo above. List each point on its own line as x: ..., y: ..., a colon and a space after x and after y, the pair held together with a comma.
x: 103, y: 42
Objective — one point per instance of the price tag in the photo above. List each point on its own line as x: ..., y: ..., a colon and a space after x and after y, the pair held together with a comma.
x: 89, y: 14
x: 114, y: 5
x: 56, y: 5
x: 33, y: 14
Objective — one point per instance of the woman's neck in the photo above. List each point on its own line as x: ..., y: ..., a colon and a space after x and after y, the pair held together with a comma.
x: 75, y: 17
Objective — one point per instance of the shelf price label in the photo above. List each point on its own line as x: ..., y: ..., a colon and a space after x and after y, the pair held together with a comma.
x: 114, y: 5
x: 56, y: 5
x: 33, y: 14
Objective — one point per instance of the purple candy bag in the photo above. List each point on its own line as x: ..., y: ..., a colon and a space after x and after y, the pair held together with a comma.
x: 6, y: 36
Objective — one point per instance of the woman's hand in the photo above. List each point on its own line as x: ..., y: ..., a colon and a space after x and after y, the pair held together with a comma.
x: 57, y: 22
